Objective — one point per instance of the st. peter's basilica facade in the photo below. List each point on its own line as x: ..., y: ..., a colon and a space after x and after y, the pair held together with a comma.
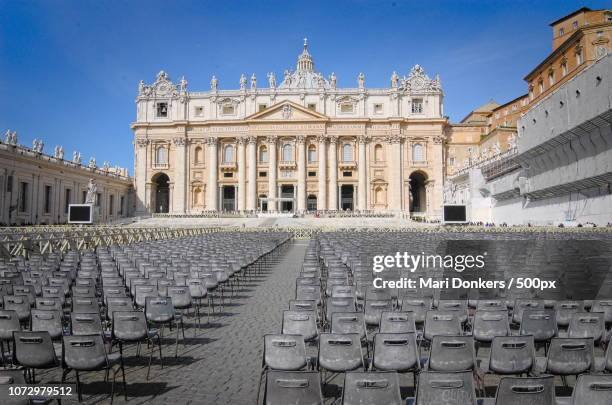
x: 299, y: 144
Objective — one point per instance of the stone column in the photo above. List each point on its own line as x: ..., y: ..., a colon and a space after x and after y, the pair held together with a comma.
x: 333, y: 173
x: 301, y: 173
x: 211, y: 203
x: 241, y: 173
x: 322, y: 198
x: 362, y: 168
x: 142, y: 191
x: 180, y: 181
x: 272, y: 164
x: 395, y: 175
x: 436, y: 196
x: 252, y: 159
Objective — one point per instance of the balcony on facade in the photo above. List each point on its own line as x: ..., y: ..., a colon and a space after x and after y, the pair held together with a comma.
x: 350, y: 165
x: 160, y: 166
x: 287, y: 164
x: 228, y: 166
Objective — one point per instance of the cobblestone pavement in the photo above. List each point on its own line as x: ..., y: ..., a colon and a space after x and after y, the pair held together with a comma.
x: 222, y: 363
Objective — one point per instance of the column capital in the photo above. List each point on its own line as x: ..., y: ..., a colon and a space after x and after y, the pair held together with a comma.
x: 179, y: 141
x: 300, y: 139
x: 142, y: 142
x: 211, y: 141
x: 241, y: 140
x: 271, y: 139
x: 251, y: 139
x: 363, y: 139
x: 333, y: 139
x: 321, y: 139
x: 394, y: 139
x: 438, y: 140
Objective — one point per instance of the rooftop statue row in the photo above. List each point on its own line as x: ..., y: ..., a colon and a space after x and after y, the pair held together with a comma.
x: 303, y: 77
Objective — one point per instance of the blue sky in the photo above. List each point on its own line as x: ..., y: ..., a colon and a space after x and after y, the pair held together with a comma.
x: 69, y: 69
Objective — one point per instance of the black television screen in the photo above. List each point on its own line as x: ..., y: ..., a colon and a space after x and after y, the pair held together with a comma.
x: 455, y: 213
x: 80, y: 214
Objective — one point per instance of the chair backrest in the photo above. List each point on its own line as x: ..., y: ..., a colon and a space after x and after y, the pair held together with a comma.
x: 284, y: 352
x: 565, y: 309
x: 441, y: 323
x: 85, y: 305
x: 117, y: 304
x: 541, y: 323
x: 197, y: 287
x: 458, y: 306
x: 526, y: 391
x: 373, y: 310
x: 593, y: 389
x: 50, y: 321
x: 308, y: 292
x: 397, y: 322
x: 452, y: 353
x: 512, y: 354
x: 418, y: 306
x: 49, y: 304
x: 522, y: 304
x: 570, y: 356
x: 371, y: 388
x: 335, y: 304
x: 300, y: 323
x: 340, y: 352
x: 343, y: 291
x: 85, y: 324
x: 19, y: 304
x: 348, y: 322
x: 489, y: 323
x: 129, y: 326
x: 159, y: 309
x: 395, y: 352
x: 436, y: 388
x: 293, y: 387
x: 142, y: 292
x: 587, y: 325
x: 9, y: 323
x: 34, y: 349
x: 302, y: 305
x: 604, y: 306
x: 181, y: 297
x: 84, y: 352
x: 491, y: 305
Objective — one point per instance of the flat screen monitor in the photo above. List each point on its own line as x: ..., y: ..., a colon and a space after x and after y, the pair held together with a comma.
x: 454, y: 214
x: 80, y: 214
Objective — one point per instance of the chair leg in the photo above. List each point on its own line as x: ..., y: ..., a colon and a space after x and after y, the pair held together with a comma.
x: 122, y: 369
x: 112, y: 384
x: 176, y: 341
x: 150, y: 359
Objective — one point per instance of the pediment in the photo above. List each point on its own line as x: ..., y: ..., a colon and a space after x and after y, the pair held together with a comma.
x: 287, y: 111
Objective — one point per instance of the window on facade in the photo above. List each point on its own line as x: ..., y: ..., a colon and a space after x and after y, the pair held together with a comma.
x: 561, y: 31
x: 83, y: 196
x: 161, y: 156
x: 228, y: 175
x: 67, y: 197
x: 531, y: 93
x: 311, y: 203
x: 263, y: 174
x: 564, y: 69
x: 541, y: 87
x: 378, y: 153
x: 121, y: 203
x: 197, y: 196
x: 417, y: 105
x: 111, y: 205
x: 575, y: 25
x: 48, y: 199
x: 418, y: 154
x: 578, y: 58
x: 199, y: 111
x: 228, y: 154
x: 228, y: 109
x: 9, y: 184
x: 378, y: 108
x: 263, y: 155
x: 98, y: 199
x: 346, y: 108
x: 312, y: 174
x: 198, y: 155
x: 162, y: 110
x: 451, y: 161
x: 347, y: 174
x: 312, y: 106
x: 287, y: 153
x: 347, y: 153
x: 551, y: 79
x: 24, y: 190
x: 312, y: 154
x: 262, y: 107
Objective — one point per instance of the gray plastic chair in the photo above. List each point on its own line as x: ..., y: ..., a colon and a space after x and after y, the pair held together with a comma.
x: 435, y: 388
x: 300, y: 323
x: 590, y: 389
x: 9, y: 323
x: 83, y: 324
x: 371, y: 388
x: 340, y: 352
x: 452, y: 353
x: 526, y: 391
x: 441, y: 323
x: 348, y: 322
x: 12, y: 377
x: 284, y: 352
x: 511, y: 355
x: 568, y: 356
x: 293, y: 387
x: 587, y: 325
x: 159, y: 311
x: 87, y: 353
x: 50, y: 321
x: 34, y: 350
x: 489, y: 324
x: 397, y: 322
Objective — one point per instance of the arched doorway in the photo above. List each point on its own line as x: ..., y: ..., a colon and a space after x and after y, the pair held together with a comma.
x: 418, y: 197
x: 263, y: 203
x: 161, y: 193
x: 347, y: 192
